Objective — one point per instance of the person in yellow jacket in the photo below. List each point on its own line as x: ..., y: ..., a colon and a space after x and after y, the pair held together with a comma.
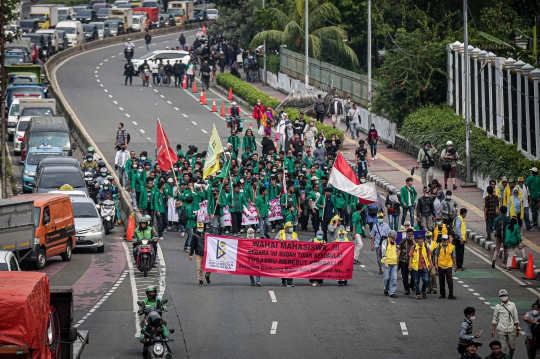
x: 342, y: 237
x: 445, y: 258
x: 287, y: 234
x: 420, y: 264
x: 319, y: 238
x: 432, y: 245
x: 440, y: 229
x: 390, y: 260
x: 509, y: 191
x: 515, y: 206
x: 459, y: 237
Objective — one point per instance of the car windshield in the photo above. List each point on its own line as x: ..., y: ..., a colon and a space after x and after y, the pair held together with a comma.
x: 55, y: 139
x: 39, y: 17
x: 37, y: 216
x: 88, y: 28
x: 84, y: 210
x: 84, y: 13
x: 175, y: 12
x: 34, y: 157
x: 67, y: 30
x: 14, y: 110
x: 37, y: 111
x: 25, y: 79
x: 54, y: 179
x: 136, y: 20
x: 124, y: 6
x: 212, y: 11
x: 103, y: 11
x: 113, y: 25
x: 35, y: 38
x: 10, y: 60
x: 27, y: 24
x: 26, y: 90
x: 62, y: 17
x: 22, y: 125
x: 62, y: 12
x: 149, y: 4
x: 147, y: 56
x: 99, y: 25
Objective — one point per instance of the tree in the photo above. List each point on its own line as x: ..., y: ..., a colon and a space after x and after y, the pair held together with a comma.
x: 288, y: 29
x: 236, y: 22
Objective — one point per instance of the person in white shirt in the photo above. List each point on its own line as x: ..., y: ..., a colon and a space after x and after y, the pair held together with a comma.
x: 155, y: 71
x: 526, y: 200
x: 199, y: 34
x: 120, y: 164
x: 128, y: 46
x: 354, y: 120
x: 506, y: 321
x: 281, y: 128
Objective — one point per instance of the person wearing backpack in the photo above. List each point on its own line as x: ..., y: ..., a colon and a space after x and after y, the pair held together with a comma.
x: 512, y: 239
x: 449, y: 158
x: 122, y: 137
x: 533, y: 182
x: 425, y: 158
x: 500, y: 223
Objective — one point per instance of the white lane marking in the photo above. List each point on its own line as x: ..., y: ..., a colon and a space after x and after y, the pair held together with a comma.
x: 473, y: 251
x: 110, y: 96
x: 471, y: 290
x: 133, y: 122
x: 169, y: 102
x: 272, y: 296
x: 274, y: 328
x: 140, y: 47
x: 481, y: 298
x: 193, y: 122
x: 97, y: 67
x: 184, y: 115
x: 101, y: 85
x: 142, y: 131
x: 488, y: 303
x: 121, y: 109
x: 105, y: 60
x: 162, y: 96
x: 465, y: 285
x: 148, y: 138
x: 98, y: 80
x: 460, y: 281
x: 127, y: 115
x: 404, y: 330
x: 162, y: 269
x: 97, y: 75
x: 129, y: 255
x: 177, y: 109
x: 478, y: 295
x: 101, y: 63
x: 96, y: 70
x: 203, y: 131
x: 119, y: 53
x: 113, y: 55
x: 105, y: 90
x: 116, y: 103
x: 362, y: 266
x: 155, y: 90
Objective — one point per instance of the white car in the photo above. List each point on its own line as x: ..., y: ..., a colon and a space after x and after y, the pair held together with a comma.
x: 212, y: 14
x: 8, y: 262
x: 13, y: 118
x: 171, y: 55
x: 120, y: 2
x: 89, y: 230
x: 101, y: 29
x: 19, y: 132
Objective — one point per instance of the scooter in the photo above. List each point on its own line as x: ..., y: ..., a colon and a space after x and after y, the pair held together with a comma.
x: 144, y: 256
x: 89, y: 179
x: 108, y: 214
x: 129, y: 54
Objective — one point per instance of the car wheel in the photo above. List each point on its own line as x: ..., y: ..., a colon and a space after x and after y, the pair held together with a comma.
x: 66, y: 256
x: 101, y: 249
x: 41, y: 259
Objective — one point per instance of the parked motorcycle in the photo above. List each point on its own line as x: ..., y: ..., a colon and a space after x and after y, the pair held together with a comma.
x: 144, y: 256
x: 108, y: 214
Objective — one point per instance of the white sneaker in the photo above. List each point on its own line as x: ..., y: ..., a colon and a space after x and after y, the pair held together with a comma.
x: 348, y: 229
x: 160, y: 238
x: 314, y: 284
x: 226, y: 232
x: 183, y: 234
x: 375, y: 157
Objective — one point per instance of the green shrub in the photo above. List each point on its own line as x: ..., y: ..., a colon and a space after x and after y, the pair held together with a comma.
x: 490, y: 156
x: 246, y: 91
x: 272, y: 63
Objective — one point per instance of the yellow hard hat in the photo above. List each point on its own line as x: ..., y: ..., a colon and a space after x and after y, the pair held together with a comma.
x: 342, y: 231
x: 288, y: 224
x: 429, y: 234
x: 200, y: 225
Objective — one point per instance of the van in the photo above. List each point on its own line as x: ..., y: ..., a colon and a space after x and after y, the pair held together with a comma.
x: 74, y: 31
x: 48, y: 216
x: 53, y: 35
x: 53, y: 130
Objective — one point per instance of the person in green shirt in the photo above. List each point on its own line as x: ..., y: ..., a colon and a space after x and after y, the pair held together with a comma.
x: 234, y: 140
x: 340, y: 203
x: 533, y: 182
x: 179, y: 151
x: 262, y: 205
x: 311, y: 199
x: 289, y: 216
x: 408, y: 197
x: 191, y: 221
x: 358, y: 231
x: 236, y: 202
x: 288, y: 162
x: 248, y: 142
x: 289, y: 198
x: 145, y: 198
x: 159, y: 203
x: 215, y: 210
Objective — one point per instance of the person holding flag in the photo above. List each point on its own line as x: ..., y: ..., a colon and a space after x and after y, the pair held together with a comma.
x: 211, y: 164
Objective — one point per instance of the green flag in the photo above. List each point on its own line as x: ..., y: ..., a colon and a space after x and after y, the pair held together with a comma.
x: 225, y: 171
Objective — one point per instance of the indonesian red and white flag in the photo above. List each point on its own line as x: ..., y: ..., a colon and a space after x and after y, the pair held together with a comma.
x: 343, y: 178
x: 166, y: 156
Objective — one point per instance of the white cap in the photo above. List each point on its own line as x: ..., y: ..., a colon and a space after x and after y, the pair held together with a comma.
x: 449, y: 143
x: 170, y: 180
x: 534, y: 169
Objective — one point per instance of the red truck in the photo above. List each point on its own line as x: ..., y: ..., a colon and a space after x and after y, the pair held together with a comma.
x: 151, y: 15
x: 37, y: 319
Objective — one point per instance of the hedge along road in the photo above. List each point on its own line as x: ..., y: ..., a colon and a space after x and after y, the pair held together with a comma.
x: 230, y: 317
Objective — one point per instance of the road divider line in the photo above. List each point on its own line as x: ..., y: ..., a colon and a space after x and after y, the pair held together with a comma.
x: 110, y: 96
x: 404, y: 330
x: 121, y: 109
x: 133, y: 122
x: 98, y: 80
x: 184, y: 115
x: 101, y: 63
x: 101, y: 85
x: 272, y: 296
x: 116, y: 103
x: 127, y: 115
x: 162, y: 96
x: 204, y: 131
x: 193, y: 122
x: 169, y: 102
x: 177, y: 109
x: 155, y: 90
x: 273, y: 330
x: 129, y: 255
x: 142, y: 131
x: 105, y: 90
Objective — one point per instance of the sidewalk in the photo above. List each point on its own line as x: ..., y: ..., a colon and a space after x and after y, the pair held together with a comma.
x: 392, y: 168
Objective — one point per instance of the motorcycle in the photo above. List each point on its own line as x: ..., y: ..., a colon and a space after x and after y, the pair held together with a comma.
x: 158, y: 347
x: 144, y: 256
x: 147, y: 310
x: 108, y: 214
x: 89, y: 175
x: 235, y: 123
x: 129, y: 54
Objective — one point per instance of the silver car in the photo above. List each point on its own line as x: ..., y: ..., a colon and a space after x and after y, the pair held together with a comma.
x: 88, y: 227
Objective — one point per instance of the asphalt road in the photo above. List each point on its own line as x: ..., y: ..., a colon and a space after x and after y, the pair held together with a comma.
x: 229, y: 318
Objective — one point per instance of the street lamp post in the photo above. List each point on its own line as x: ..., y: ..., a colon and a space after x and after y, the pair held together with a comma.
x: 306, y: 42
x: 265, y: 73
x: 466, y: 78
x: 370, y: 118
x: 3, y: 101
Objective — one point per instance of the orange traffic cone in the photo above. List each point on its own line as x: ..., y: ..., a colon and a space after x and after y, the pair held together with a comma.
x: 513, y: 264
x: 130, y: 229
x: 529, y: 274
x: 184, y: 82
x: 230, y: 94
x: 204, y: 29
x: 201, y: 97
x: 222, y: 113
x: 194, y: 89
x: 204, y: 98
x: 214, y: 107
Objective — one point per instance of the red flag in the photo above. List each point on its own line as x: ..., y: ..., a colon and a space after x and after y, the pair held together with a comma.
x: 343, y: 178
x: 166, y: 156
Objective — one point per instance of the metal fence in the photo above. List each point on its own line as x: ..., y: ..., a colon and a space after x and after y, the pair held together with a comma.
x: 504, y: 96
x: 347, y: 83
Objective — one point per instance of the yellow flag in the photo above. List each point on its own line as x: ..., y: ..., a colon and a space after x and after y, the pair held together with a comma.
x: 211, y: 164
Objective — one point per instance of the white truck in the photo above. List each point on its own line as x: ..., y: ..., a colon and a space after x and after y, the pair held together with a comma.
x: 139, y: 22
x: 181, y: 10
x: 46, y: 14
x: 125, y: 15
x: 29, y: 108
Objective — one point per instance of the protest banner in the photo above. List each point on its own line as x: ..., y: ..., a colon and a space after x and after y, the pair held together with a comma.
x: 227, y: 219
x: 249, y: 216
x: 279, y: 259
x: 403, y: 234
x: 274, y: 210
x: 203, y: 215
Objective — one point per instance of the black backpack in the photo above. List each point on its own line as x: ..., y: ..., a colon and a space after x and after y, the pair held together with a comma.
x: 182, y: 217
x: 499, y: 231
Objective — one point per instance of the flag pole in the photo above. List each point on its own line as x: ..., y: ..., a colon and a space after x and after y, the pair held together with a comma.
x: 221, y: 187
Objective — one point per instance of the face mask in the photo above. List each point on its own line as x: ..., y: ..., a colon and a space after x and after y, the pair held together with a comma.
x: 535, y: 312
x: 134, y: 166
x: 504, y: 298
x: 199, y: 230
x: 251, y: 235
x: 362, y: 180
x: 258, y: 103
x: 89, y: 159
x: 449, y: 197
x: 304, y: 169
x: 319, y: 145
x: 372, y: 127
x: 274, y: 171
x: 140, y: 170
x: 472, y: 318
x: 427, y: 148
x: 439, y: 223
x: 263, y: 173
x: 291, y: 230
x: 143, y: 158
x: 426, y: 194
x: 105, y: 187
x: 445, y: 244
x: 319, y: 237
x: 104, y: 175
x: 380, y: 220
x: 118, y: 127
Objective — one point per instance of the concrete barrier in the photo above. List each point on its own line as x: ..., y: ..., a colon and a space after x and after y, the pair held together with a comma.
x: 78, y: 131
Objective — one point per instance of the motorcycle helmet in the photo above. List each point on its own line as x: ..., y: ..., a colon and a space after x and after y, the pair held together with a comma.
x: 109, y: 178
x: 148, y: 218
x: 101, y: 164
x: 129, y: 39
x: 105, y: 185
x: 151, y: 294
x: 154, y: 319
x: 143, y: 220
x: 91, y: 149
x: 103, y: 172
x: 89, y: 157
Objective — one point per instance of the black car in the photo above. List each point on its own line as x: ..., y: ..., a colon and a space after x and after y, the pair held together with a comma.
x: 90, y: 32
x: 200, y: 15
x: 52, y: 178
x: 86, y: 16
x: 29, y: 26
x: 62, y: 40
x: 103, y: 14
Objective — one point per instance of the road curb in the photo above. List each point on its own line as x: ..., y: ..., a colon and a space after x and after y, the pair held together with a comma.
x: 471, y: 236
